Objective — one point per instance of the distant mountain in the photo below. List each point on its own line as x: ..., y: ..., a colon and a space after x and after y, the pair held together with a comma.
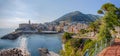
x: 77, y: 16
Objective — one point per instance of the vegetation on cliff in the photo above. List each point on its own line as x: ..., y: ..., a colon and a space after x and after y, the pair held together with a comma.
x: 102, y: 28
x: 66, y: 36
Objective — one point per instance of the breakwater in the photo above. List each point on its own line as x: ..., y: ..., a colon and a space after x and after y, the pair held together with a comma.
x: 15, y: 35
x: 12, y: 36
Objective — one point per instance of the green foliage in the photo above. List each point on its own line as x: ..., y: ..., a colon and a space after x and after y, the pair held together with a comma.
x: 87, y: 41
x: 87, y: 45
x: 69, y: 49
x: 111, y: 14
x: 73, y: 47
x: 77, y: 43
x: 114, y: 18
x: 109, y: 21
x: 108, y: 7
x: 83, y: 31
x: 100, y: 12
x: 66, y: 36
x: 94, y: 26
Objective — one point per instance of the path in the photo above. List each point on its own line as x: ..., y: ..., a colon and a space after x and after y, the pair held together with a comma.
x: 113, y: 50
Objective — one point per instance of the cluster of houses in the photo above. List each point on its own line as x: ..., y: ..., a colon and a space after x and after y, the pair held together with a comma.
x: 75, y: 27
x: 62, y: 26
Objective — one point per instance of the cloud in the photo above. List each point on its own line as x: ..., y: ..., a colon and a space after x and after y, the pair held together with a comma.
x: 11, y: 22
x: 19, y: 4
x: 13, y: 8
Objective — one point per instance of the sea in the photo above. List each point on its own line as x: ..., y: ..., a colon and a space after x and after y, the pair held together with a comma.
x: 32, y: 42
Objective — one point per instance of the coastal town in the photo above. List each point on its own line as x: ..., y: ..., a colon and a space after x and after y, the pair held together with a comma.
x: 62, y: 26
x: 46, y: 33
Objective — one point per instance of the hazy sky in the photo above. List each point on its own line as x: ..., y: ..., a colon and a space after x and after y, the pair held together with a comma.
x: 13, y: 12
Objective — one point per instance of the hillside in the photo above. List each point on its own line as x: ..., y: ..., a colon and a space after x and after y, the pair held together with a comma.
x: 77, y: 16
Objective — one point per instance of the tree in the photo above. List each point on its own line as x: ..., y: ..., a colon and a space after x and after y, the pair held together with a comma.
x: 109, y: 20
x: 108, y: 7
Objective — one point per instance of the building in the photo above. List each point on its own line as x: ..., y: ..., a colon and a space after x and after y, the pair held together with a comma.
x: 27, y: 26
x: 24, y: 25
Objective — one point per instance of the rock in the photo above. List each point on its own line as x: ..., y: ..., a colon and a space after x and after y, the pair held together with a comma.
x: 53, y: 54
x: 45, y: 52
x: 14, y: 52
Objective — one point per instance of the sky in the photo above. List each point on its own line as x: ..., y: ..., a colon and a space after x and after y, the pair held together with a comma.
x: 14, y: 12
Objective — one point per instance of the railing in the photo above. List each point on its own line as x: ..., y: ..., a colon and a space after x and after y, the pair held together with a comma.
x: 98, y: 47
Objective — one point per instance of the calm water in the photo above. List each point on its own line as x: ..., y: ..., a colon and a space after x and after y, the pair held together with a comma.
x: 34, y: 41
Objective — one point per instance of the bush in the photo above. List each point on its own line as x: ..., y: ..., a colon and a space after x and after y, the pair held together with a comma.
x: 83, y: 31
x: 66, y: 36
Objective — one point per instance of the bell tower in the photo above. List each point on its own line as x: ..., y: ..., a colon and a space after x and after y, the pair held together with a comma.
x: 29, y: 22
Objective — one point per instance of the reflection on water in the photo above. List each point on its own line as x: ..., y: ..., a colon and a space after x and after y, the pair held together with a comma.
x: 23, y: 42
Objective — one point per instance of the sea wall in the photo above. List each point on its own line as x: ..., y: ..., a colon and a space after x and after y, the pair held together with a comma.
x: 15, y: 35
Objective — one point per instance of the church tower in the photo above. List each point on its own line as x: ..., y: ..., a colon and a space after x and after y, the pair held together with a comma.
x: 29, y: 22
